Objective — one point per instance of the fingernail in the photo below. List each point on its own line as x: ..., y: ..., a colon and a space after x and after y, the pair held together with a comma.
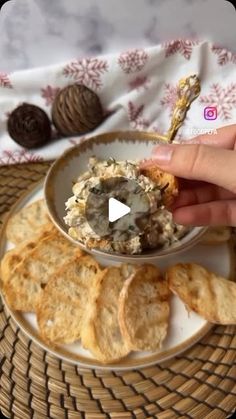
x: 162, y: 154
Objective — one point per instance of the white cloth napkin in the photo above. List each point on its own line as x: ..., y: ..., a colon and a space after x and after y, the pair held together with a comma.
x: 137, y: 89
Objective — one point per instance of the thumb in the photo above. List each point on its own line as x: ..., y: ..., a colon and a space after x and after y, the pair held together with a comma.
x: 198, y: 162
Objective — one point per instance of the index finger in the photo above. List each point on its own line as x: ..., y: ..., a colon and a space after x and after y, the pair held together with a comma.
x: 197, y: 162
x: 225, y: 138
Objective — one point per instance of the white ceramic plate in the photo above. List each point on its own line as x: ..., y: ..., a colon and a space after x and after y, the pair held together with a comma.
x: 184, y: 329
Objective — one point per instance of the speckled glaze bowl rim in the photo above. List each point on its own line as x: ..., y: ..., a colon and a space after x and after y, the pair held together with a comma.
x: 109, y: 137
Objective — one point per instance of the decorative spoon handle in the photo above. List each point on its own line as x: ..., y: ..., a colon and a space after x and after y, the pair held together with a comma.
x: 188, y: 90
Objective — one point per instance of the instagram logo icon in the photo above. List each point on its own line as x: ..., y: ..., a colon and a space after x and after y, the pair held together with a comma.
x: 210, y: 113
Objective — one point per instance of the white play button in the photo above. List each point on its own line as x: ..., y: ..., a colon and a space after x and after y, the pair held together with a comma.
x: 116, y: 209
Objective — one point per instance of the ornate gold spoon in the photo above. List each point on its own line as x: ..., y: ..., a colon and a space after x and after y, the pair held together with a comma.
x: 188, y: 90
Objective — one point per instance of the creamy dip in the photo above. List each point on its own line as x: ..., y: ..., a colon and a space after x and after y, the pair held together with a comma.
x: 155, y: 230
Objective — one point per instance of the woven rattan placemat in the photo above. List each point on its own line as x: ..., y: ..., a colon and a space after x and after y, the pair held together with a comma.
x: 201, y: 383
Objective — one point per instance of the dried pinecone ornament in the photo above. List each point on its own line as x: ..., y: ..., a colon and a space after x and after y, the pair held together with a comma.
x: 76, y: 110
x: 29, y: 126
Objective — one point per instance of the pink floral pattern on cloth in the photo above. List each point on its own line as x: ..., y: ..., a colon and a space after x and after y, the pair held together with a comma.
x: 224, y: 56
x: 136, y: 119
x: 170, y: 96
x: 18, y: 156
x: 182, y: 46
x: 133, y: 61
x: 88, y: 71
x: 49, y: 93
x: 223, y: 98
x: 140, y: 84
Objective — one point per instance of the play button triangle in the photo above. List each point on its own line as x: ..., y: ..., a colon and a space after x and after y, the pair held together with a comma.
x: 116, y: 210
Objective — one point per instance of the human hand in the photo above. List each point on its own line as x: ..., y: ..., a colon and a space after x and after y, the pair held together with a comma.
x: 206, y: 166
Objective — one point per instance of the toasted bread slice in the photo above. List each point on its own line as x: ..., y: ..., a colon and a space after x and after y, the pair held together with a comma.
x: 65, y: 300
x: 127, y: 269
x: 216, y: 235
x: 211, y: 296
x: 27, y: 222
x: 144, y: 309
x: 101, y: 332
x: 167, y: 182
x: 24, y: 287
x: 14, y: 256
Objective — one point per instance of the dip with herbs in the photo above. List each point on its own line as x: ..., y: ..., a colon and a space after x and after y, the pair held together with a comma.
x: 155, y: 230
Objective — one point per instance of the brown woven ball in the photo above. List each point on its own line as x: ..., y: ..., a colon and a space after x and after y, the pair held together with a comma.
x: 29, y: 126
x: 76, y: 110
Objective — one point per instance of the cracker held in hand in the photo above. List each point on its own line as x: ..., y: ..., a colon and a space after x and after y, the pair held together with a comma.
x: 24, y: 287
x: 101, y: 332
x: 27, y: 222
x: 167, y: 182
x: 66, y: 299
x: 211, y: 296
x: 144, y: 309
